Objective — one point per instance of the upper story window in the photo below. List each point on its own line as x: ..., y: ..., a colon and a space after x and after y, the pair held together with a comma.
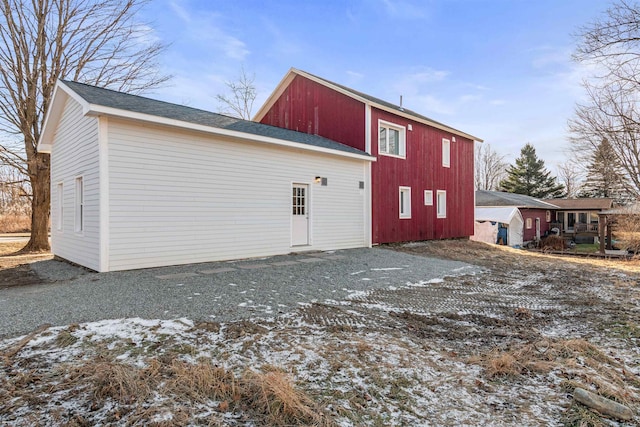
x: 391, y: 139
x: 446, y: 153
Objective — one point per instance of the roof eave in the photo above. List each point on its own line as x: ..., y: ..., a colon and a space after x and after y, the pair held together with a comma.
x: 98, y: 110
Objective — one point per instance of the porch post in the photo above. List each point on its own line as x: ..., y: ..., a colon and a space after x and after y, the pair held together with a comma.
x: 609, y: 242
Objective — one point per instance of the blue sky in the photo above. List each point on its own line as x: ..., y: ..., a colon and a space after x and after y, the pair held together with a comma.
x: 498, y: 69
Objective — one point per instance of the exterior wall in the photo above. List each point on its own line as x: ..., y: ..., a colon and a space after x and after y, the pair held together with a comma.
x: 313, y: 108
x: 309, y: 107
x: 75, y: 153
x: 180, y: 197
x: 530, y: 234
x: 421, y: 170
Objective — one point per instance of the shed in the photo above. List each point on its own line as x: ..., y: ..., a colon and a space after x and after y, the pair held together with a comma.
x: 138, y: 183
x: 490, y: 221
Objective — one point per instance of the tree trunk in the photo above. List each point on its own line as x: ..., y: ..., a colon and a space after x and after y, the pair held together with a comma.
x: 41, y: 190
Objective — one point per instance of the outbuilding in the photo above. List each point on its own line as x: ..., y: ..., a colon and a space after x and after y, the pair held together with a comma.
x: 138, y: 183
x: 499, y: 225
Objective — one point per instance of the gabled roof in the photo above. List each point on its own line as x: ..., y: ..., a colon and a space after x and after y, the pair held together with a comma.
x: 101, y: 101
x: 633, y: 209
x: 362, y: 97
x: 503, y: 214
x: 584, y: 204
x: 499, y: 198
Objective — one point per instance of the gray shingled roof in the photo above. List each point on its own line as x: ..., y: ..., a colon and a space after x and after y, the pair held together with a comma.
x: 499, y: 198
x: 384, y: 103
x: 139, y: 104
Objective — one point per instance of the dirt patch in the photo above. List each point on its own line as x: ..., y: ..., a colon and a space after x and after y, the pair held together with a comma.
x: 14, y: 267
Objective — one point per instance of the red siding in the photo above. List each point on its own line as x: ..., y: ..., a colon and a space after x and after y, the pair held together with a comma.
x: 310, y: 107
x: 530, y: 233
x: 421, y: 170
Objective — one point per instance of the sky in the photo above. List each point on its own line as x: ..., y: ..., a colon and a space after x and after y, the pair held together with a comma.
x: 500, y: 70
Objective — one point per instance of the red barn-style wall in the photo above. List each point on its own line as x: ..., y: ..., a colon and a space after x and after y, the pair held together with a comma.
x: 310, y: 104
x: 530, y: 233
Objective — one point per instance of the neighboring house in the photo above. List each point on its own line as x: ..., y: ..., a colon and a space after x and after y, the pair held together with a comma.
x: 536, y: 214
x: 499, y: 225
x: 423, y: 180
x: 578, y: 218
x: 140, y: 183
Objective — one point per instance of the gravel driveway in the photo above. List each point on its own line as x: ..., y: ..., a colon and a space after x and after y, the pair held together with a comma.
x: 220, y: 291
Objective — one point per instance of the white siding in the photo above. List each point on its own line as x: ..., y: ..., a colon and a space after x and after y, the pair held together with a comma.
x: 75, y: 153
x: 183, y: 197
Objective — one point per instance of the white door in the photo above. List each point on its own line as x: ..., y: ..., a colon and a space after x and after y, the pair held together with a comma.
x: 300, y: 215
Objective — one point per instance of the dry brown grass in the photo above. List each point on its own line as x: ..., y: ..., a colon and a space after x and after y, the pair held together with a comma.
x: 15, y: 223
x: 553, y: 243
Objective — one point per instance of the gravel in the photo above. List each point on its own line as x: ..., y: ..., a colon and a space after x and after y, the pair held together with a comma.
x: 220, y: 291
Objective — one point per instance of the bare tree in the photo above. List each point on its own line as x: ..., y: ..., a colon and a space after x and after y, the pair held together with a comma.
x: 490, y: 167
x: 611, y: 47
x: 570, y: 175
x: 242, y: 94
x: 91, y: 41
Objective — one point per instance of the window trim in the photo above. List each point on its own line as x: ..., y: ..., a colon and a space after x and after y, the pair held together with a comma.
x: 441, y: 209
x: 407, y: 205
x: 79, y: 220
x: 402, y: 143
x: 428, y: 197
x: 60, y: 206
x: 446, y: 149
x: 528, y: 223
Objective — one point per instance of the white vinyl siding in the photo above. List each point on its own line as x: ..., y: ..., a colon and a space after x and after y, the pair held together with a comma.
x: 59, y: 203
x: 391, y: 139
x: 179, y: 197
x: 441, y: 201
x: 74, y: 154
x: 404, y: 200
x: 446, y: 153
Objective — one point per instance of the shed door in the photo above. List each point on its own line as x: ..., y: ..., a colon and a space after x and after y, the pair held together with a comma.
x: 300, y: 215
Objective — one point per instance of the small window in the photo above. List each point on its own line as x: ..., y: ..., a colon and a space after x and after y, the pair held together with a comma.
x: 446, y: 153
x: 405, y: 202
x: 60, y: 206
x: 79, y: 222
x: 529, y: 223
x: 441, y: 196
x: 548, y: 216
x: 428, y: 197
x: 391, y: 139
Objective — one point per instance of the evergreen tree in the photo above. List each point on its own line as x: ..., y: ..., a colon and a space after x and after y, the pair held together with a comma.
x: 604, y: 176
x: 529, y: 176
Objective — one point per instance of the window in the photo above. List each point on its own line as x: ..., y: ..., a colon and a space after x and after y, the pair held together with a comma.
x: 529, y: 223
x: 548, y: 216
x: 405, y: 202
x: 79, y: 223
x: 441, y: 199
x: 391, y: 139
x: 60, y: 206
x: 446, y: 153
x: 428, y: 197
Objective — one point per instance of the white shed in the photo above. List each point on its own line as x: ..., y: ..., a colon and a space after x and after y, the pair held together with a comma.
x: 488, y: 225
x: 139, y: 183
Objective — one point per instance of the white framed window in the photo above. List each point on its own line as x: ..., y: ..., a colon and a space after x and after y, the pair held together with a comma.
x: 428, y: 197
x: 60, y: 206
x: 529, y: 223
x: 441, y: 200
x: 391, y: 139
x: 79, y: 220
x: 405, y: 202
x: 548, y: 216
x: 446, y: 153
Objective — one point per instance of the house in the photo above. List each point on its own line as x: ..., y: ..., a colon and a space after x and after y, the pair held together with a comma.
x: 578, y: 218
x: 139, y: 183
x: 536, y: 214
x: 499, y: 225
x: 422, y: 181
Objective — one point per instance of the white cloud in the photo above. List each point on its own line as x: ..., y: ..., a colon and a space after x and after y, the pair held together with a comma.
x: 404, y: 9
x: 181, y: 12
